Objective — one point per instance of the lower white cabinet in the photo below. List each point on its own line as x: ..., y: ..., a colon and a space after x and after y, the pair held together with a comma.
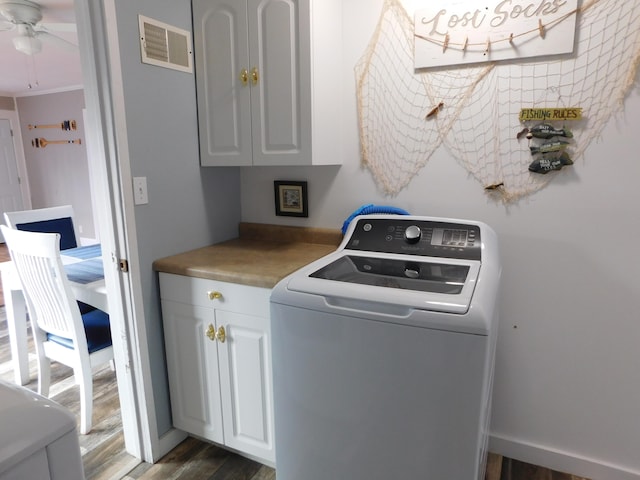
x: 218, y: 346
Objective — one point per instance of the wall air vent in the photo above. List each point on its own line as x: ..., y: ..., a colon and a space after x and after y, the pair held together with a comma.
x: 164, y: 45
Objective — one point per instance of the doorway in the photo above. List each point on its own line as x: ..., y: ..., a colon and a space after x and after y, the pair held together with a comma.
x: 108, y: 215
x: 10, y: 179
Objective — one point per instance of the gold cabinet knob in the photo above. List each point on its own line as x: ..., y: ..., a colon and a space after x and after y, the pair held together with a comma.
x: 221, y: 336
x: 254, y: 75
x: 211, y: 333
x: 214, y: 295
x: 244, y: 76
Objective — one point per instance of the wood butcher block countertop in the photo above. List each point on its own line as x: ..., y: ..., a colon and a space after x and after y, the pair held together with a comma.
x: 261, y: 256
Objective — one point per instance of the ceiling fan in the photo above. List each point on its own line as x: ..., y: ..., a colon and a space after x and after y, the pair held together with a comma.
x: 25, y: 17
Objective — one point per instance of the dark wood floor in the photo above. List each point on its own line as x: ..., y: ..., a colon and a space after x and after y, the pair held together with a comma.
x: 103, y: 451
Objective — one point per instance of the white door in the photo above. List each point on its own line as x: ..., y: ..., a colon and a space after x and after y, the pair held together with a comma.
x: 192, y: 364
x: 280, y: 81
x: 245, y: 383
x: 253, y: 81
x: 10, y: 194
x: 223, y: 83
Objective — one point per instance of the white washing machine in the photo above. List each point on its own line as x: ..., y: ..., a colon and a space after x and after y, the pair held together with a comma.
x: 383, y: 353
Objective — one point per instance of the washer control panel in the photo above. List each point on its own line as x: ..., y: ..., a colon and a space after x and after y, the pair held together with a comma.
x: 417, y: 237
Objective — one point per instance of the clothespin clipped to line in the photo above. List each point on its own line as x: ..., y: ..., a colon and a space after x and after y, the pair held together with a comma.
x: 446, y: 43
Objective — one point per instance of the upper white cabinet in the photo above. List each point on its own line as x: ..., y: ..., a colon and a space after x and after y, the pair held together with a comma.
x: 268, y: 81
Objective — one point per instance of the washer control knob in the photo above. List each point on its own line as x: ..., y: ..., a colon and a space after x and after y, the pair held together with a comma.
x: 412, y: 234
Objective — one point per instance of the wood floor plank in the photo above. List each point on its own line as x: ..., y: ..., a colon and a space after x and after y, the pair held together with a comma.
x: 521, y: 471
x: 108, y: 460
x: 236, y: 468
x: 494, y: 467
x: 265, y: 473
x: 517, y: 470
x: 191, y: 459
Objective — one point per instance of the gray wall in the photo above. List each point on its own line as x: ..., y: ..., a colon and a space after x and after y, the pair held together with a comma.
x: 567, y: 388
x: 188, y: 207
x: 57, y: 174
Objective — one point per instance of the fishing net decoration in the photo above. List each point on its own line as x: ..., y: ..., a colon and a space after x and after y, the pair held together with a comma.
x: 479, y: 119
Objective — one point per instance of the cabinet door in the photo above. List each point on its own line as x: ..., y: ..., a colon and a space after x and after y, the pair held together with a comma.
x: 279, y: 50
x: 192, y: 364
x: 246, y: 383
x: 221, y: 55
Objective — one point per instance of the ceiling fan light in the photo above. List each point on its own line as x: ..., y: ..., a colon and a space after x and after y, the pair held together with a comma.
x: 27, y: 44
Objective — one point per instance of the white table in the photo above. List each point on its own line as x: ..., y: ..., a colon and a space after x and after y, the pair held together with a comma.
x: 93, y: 292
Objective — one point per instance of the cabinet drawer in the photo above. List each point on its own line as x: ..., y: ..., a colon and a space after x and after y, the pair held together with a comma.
x: 202, y: 292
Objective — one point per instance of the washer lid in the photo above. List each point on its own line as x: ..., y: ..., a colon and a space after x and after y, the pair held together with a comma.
x: 409, y: 282
x: 29, y: 422
x: 403, y: 274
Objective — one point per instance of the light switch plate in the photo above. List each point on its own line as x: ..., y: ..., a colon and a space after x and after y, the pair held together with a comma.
x: 140, y: 196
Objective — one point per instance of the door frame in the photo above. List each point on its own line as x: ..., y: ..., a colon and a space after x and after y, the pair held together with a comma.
x: 110, y: 176
x: 18, y: 148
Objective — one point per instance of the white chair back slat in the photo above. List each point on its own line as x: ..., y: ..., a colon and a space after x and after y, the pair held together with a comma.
x: 49, y: 296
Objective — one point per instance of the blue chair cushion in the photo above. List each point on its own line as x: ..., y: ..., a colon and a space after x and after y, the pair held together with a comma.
x: 85, y: 308
x: 96, y: 328
x: 63, y: 226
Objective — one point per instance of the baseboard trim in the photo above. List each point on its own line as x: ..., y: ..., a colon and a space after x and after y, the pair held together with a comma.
x: 559, y: 460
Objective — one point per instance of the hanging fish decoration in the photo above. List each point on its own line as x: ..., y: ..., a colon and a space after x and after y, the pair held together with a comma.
x: 546, y: 164
x: 544, y: 130
x: 549, y: 147
x: 494, y: 186
x: 522, y: 133
x: 434, y: 111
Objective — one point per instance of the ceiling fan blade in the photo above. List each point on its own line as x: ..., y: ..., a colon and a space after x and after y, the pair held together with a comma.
x: 6, y: 25
x: 55, y: 40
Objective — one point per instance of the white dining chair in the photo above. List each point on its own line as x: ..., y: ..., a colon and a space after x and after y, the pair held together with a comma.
x: 58, y: 219
x: 61, y: 332
x: 50, y: 220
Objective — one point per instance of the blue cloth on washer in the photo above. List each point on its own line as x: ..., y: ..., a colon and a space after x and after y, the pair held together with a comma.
x: 86, y: 271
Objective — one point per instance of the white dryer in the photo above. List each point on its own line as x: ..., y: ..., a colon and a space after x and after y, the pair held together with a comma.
x: 383, y: 353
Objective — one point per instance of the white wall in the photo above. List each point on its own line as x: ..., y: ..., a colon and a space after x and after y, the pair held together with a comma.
x: 58, y: 174
x: 567, y: 387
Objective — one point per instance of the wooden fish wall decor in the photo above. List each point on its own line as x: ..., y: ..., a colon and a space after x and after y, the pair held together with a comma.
x: 64, y: 125
x: 43, y: 142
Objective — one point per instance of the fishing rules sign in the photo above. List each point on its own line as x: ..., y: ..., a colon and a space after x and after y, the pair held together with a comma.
x: 469, y: 31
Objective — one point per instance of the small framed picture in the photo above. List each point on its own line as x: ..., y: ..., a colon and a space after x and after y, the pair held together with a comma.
x: 291, y: 198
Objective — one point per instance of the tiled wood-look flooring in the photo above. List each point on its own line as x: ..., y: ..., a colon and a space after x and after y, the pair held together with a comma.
x: 103, y: 451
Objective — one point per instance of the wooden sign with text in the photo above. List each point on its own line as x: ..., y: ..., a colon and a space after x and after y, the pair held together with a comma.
x: 550, y: 114
x: 468, y: 31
